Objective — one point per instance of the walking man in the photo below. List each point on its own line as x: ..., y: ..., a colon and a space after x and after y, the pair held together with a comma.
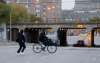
x: 21, y: 42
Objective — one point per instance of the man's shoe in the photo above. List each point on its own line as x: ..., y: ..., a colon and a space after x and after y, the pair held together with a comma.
x: 18, y: 53
x: 22, y: 53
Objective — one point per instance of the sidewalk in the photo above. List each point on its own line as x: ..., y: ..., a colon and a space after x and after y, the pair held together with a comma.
x: 5, y: 43
x: 12, y: 43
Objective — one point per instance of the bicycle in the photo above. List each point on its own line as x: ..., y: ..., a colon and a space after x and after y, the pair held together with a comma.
x: 51, y: 47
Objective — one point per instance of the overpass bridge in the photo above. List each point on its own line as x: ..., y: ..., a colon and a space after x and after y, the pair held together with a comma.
x: 92, y: 27
x: 51, y: 25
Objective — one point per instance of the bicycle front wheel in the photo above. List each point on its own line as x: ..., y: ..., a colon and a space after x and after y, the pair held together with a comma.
x: 52, y: 49
x: 37, y: 48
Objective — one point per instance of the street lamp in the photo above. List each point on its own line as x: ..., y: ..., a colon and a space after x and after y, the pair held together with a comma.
x: 53, y: 7
x: 49, y: 8
x: 37, y: 1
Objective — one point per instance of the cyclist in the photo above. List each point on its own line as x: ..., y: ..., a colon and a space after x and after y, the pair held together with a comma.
x: 46, y: 43
x: 43, y: 38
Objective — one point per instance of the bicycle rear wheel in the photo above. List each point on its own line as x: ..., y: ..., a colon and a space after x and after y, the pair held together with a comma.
x: 37, y: 48
x: 52, y: 49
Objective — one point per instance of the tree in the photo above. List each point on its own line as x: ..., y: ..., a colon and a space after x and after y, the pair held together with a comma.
x: 18, y: 13
x: 95, y: 20
x: 34, y: 18
x: 4, y: 12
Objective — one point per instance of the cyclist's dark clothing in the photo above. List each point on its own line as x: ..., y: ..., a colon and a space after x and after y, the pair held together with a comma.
x: 44, y: 39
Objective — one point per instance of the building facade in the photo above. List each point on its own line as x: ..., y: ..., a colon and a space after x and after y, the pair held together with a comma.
x: 51, y: 10
x: 87, y: 8
x: 83, y: 10
x: 87, y: 5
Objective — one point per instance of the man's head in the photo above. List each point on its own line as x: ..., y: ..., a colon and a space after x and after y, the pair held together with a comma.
x: 21, y: 31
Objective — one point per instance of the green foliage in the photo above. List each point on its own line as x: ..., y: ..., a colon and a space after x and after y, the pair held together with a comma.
x: 34, y: 18
x: 95, y: 20
x: 20, y: 14
x: 4, y: 12
x: 16, y: 13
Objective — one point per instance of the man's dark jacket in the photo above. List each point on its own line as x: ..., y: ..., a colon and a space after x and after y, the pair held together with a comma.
x: 21, y: 38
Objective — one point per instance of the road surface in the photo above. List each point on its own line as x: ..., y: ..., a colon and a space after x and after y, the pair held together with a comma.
x: 63, y: 55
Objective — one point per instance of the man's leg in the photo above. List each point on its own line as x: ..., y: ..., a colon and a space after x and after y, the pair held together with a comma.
x: 24, y: 47
x: 20, y: 47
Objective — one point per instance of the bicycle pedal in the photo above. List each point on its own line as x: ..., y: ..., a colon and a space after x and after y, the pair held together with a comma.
x: 43, y: 48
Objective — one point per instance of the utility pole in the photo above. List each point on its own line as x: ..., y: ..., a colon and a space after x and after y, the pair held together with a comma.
x: 11, y: 24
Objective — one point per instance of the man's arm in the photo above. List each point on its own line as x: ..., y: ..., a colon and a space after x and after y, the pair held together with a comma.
x: 23, y: 38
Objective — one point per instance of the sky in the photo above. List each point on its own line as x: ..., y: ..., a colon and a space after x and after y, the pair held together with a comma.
x: 68, y: 4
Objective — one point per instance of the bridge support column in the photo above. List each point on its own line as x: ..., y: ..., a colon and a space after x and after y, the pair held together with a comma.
x: 62, y: 36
